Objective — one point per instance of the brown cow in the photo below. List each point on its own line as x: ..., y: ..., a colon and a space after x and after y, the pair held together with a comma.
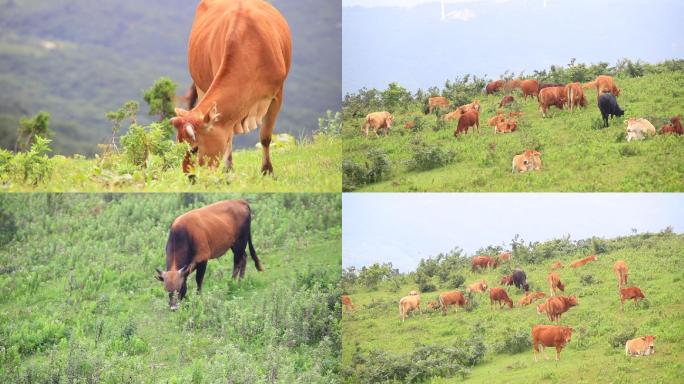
x: 505, y: 256
x: 511, y: 85
x: 499, y: 295
x: 203, y: 234
x: 675, y: 127
x: 513, y: 114
x: 527, y: 161
x: 467, y: 120
x: 433, y: 305
x: 451, y: 298
x: 460, y: 111
x: 506, y: 280
x: 574, y: 96
x: 530, y: 297
x: 436, y: 102
x: 641, y: 346
x: 589, y: 85
x: 551, y: 96
x: 550, y: 336
x: 606, y: 84
x: 620, y: 269
x: 484, y: 262
x: 479, y: 287
x: 494, y: 120
x: 506, y: 101
x: 506, y: 126
x: 410, y: 124
x: 529, y: 88
x: 554, y: 282
x: 556, y: 265
x: 630, y: 293
x: 408, y: 304
x: 378, y: 121
x: 494, y: 86
x: 347, y: 302
x: 239, y: 56
x: 581, y: 262
x: 557, y: 305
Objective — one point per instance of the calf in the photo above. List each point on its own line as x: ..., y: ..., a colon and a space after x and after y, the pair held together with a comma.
x: 496, y: 119
x: 520, y: 279
x: 506, y: 126
x: 554, y: 282
x: 551, y: 96
x: 641, y: 346
x: 582, y: 262
x: 638, y: 129
x: 378, y: 121
x: 556, y: 265
x: 478, y: 287
x: 505, y: 256
x: 434, y: 103
x: 467, y: 120
x: 630, y: 293
x: 506, y: 280
x: 506, y: 101
x: 557, y: 305
x: 608, y: 106
x: 550, y: 336
x: 527, y: 161
x: 529, y: 88
x: 479, y: 262
x: 494, y: 86
x: 408, y: 304
x: 530, y: 297
x: 451, y: 298
x: 347, y: 302
x: 620, y: 269
x: 499, y: 295
x: 675, y: 127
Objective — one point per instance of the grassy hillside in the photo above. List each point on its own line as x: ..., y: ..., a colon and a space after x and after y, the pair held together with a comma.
x: 577, y: 154
x: 376, y: 342
x: 79, y: 59
x: 79, y: 302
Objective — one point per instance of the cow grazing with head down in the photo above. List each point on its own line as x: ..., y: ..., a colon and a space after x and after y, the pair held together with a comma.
x: 203, y: 234
x: 555, y: 283
x: 557, y: 305
x: 530, y: 160
x: 500, y: 296
x: 675, y: 127
x: 239, y: 57
x: 466, y: 121
x: 574, y: 96
x: 481, y: 262
x: 434, y: 103
x: 641, y: 346
x: 551, y: 96
x: 556, y: 265
x: 378, y: 121
x: 529, y: 88
x: 494, y: 86
x: 347, y: 302
x: 550, y: 336
x: 520, y: 279
x: 630, y: 293
x: 451, y: 298
x: 620, y: 268
x: 506, y: 101
x: 638, y: 129
x: 530, y: 297
x: 408, y: 304
x: 606, y: 84
x: 582, y: 262
x: 609, y: 107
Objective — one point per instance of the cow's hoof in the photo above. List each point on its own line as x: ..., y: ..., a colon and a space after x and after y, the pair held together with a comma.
x: 267, y: 170
x: 192, y: 178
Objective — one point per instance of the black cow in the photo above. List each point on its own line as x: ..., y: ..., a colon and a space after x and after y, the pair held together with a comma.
x: 520, y: 279
x: 608, y: 105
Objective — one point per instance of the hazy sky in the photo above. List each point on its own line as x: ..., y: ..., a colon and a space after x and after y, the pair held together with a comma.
x: 403, y: 228
x: 418, y: 44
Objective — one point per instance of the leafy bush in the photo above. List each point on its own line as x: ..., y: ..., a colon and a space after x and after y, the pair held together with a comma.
x: 628, y: 150
x: 33, y: 166
x: 588, y: 280
x: 456, y: 280
x: 515, y: 341
x: 355, y: 175
x: 160, y: 97
x: 330, y: 124
x: 379, y: 165
x: 144, y: 145
x: 619, y: 338
x: 428, y: 156
x: 427, y: 286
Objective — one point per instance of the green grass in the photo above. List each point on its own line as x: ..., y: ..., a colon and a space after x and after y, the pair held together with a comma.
x: 577, y: 155
x: 655, y: 265
x: 309, y: 167
x: 79, y: 302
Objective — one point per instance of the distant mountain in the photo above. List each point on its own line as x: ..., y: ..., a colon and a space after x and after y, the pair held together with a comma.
x: 78, y: 59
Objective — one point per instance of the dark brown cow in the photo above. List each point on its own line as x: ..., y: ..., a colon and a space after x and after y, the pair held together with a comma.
x: 467, y: 120
x: 451, y: 298
x: 484, y: 262
x: 500, y: 296
x: 630, y: 293
x: 557, y: 305
x: 555, y: 283
x: 574, y: 96
x: 529, y: 88
x: 675, y: 127
x: 605, y: 84
x: 203, y: 234
x: 520, y: 279
x: 239, y: 56
x: 506, y: 101
x: 551, y: 96
x: 494, y: 86
x: 550, y: 336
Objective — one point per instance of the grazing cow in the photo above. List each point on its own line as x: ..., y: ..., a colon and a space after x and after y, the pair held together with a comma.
x: 620, y: 269
x: 529, y: 88
x: 574, y: 96
x: 484, y: 262
x: 494, y: 86
x: 433, y: 305
x: 435, y: 102
x: 609, y: 107
x: 467, y: 120
x: 478, y: 287
x: 505, y: 256
x: 496, y: 119
x: 554, y: 282
x: 451, y: 298
x: 520, y: 279
x: 506, y: 280
x: 499, y: 295
x: 675, y: 127
x: 629, y: 294
x: 506, y: 126
x: 530, y: 297
x: 410, y: 124
x: 347, y: 302
x: 550, y: 85
x: 506, y: 101
x: 378, y: 121
x: 641, y: 346
x: 541, y: 308
x: 637, y: 129
x: 557, y: 305
x: 582, y: 262
x: 511, y: 85
x: 239, y: 56
x: 556, y: 265
x: 455, y: 115
x: 551, y: 96
x: 203, y: 234
x: 606, y: 84
x: 408, y: 304
x: 550, y: 336
x: 527, y: 161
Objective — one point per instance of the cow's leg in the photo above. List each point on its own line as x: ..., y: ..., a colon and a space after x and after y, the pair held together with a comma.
x: 183, y: 290
x: 558, y: 349
x: 543, y: 351
x: 267, y: 131
x: 228, y: 154
x: 243, y: 265
x: 199, y: 276
x: 535, y: 350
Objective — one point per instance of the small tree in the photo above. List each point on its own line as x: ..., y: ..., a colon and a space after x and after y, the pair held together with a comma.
x: 128, y: 110
x: 29, y: 128
x: 160, y: 98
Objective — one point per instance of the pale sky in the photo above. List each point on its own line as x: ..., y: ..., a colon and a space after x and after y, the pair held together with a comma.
x: 402, y: 228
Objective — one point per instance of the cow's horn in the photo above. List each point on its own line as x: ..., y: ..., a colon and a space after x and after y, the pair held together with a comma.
x: 158, y: 271
x: 190, y: 131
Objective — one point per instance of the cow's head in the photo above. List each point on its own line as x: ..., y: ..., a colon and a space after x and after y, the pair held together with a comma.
x: 593, y: 257
x: 483, y: 285
x: 567, y: 334
x: 413, y: 293
x: 196, y: 129
x: 616, y: 91
x: 389, y: 120
x: 541, y: 308
x: 572, y: 301
x: 649, y: 347
x: 173, y: 283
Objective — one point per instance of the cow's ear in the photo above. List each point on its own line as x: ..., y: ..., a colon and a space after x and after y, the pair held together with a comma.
x: 180, y: 112
x: 160, y: 275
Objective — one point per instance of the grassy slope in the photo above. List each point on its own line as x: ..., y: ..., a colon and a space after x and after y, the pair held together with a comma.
x: 655, y: 267
x: 76, y: 272
x: 304, y: 168
x: 576, y: 156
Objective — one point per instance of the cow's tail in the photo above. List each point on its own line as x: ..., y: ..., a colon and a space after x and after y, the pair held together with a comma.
x: 401, y: 310
x: 252, y: 251
x: 570, y: 97
x: 192, y: 96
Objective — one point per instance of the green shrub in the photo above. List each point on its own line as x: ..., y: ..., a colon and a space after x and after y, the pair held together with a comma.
x: 33, y: 166
x: 515, y: 341
x: 145, y: 146
x: 379, y: 165
x: 619, y: 338
x: 628, y: 150
x: 588, y: 280
x: 428, y: 156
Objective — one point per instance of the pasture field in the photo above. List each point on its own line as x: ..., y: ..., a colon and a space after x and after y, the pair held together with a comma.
x: 79, y: 302
x: 480, y: 344
x: 577, y: 154
x: 307, y: 167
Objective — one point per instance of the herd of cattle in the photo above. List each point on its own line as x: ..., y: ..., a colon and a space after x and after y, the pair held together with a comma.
x: 554, y: 306
x: 559, y: 95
